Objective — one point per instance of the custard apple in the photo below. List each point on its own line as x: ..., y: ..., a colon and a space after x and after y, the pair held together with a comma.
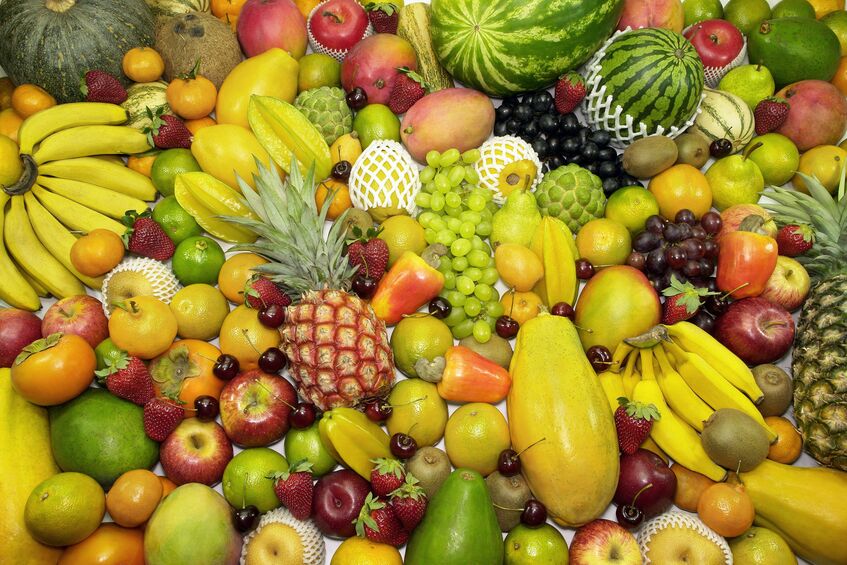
x: 328, y: 111
x: 572, y: 194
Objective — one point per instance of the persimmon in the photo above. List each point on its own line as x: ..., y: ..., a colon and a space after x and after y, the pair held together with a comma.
x: 54, y: 370
x: 110, y: 544
x: 143, y: 64
x: 27, y: 99
x: 340, y: 200
x: 184, y: 372
x: 192, y: 96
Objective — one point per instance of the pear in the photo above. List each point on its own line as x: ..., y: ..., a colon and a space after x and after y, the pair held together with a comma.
x: 735, y: 180
x: 516, y: 221
x: 751, y: 83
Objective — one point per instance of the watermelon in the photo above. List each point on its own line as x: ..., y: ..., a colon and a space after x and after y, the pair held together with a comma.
x: 724, y: 115
x: 143, y: 95
x: 504, y: 47
x: 167, y: 8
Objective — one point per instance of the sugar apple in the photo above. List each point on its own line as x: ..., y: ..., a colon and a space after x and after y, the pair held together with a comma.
x: 572, y: 194
x: 327, y: 109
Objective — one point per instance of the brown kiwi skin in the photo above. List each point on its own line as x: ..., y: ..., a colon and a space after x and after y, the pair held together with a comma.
x: 777, y: 388
x: 431, y: 467
x: 734, y: 440
x: 496, y: 349
x: 692, y: 149
x: 649, y: 156
x: 510, y: 495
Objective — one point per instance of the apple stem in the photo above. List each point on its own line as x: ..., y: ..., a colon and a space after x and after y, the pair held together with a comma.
x: 536, y: 442
x: 334, y: 17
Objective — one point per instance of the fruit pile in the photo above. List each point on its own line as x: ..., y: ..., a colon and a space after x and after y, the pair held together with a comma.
x: 271, y: 279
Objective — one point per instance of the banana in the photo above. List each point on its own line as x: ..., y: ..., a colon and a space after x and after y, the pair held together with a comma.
x: 100, y: 172
x: 691, y: 338
x: 84, y: 141
x: 76, y: 216
x: 679, y: 395
x: 619, y: 356
x: 33, y: 257
x: 674, y: 436
x: 63, y: 116
x: 56, y: 238
x: 612, y: 384
x: 36, y: 286
x: 648, y: 371
x: 353, y: 439
x: 550, y: 243
x: 630, y: 376
x: 99, y: 199
x: 14, y: 288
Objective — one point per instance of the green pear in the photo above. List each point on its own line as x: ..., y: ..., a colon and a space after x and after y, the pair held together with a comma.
x: 735, y: 180
x: 516, y: 221
x: 751, y: 83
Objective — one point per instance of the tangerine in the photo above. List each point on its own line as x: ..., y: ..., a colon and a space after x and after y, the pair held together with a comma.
x: 789, y: 443
x: 340, y: 197
x: 133, y: 497
x: 27, y: 99
x: 234, y: 274
x: 840, y: 78
x: 142, y: 163
x: 110, y: 544
x: 10, y: 123
x: 244, y: 337
x: 196, y: 125
x: 727, y: 509
x: 681, y: 187
x: 521, y: 306
x: 184, y: 372
x: 97, y: 252
x: 168, y: 485
x: 6, y: 89
x: 143, y: 64
x: 192, y: 96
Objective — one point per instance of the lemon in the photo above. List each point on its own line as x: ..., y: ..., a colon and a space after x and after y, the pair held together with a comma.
x: 604, y: 242
x: 760, y: 546
x: 631, y: 206
x: 402, y: 233
x: 824, y: 7
x: 777, y: 158
x: 317, y: 70
x: 64, y: 509
x: 168, y: 165
x: 11, y: 167
x: 417, y: 410
x: 747, y: 14
x: 419, y: 337
x: 823, y: 162
x: 362, y: 551
x: 376, y: 121
x: 199, y: 310
x: 544, y: 545
x: 699, y: 10
x: 175, y: 220
x: 837, y: 22
x: 475, y: 435
x: 246, y: 478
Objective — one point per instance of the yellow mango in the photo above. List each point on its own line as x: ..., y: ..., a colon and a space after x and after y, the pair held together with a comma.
x: 225, y: 151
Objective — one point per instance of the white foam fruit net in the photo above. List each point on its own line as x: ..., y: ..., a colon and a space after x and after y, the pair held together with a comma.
x: 162, y: 279
x: 602, y: 113
x: 498, y: 152
x: 682, y: 521
x: 314, y: 546
x: 337, y: 54
x: 384, y: 175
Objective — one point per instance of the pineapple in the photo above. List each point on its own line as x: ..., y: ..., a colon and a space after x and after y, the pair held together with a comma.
x: 338, y: 349
x: 820, y: 347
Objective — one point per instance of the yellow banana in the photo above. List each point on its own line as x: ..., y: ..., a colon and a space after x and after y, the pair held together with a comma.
x: 99, y: 199
x: 630, y: 376
x: 353, y: 439
x: 56, y: 238
x: 648, y: 371
x: 105, y: 173
x: 679, y: 395
x: 84, y: 141
x: 33, y: 257
x: 619, y: 356
x: 36, y: 286
x: 216, y: 196
x: 15, y: 290
x: 550, y: 244
x: 63, y: 116
x: 76, y: 216
x: 612, y: 384
x: 674, y: 436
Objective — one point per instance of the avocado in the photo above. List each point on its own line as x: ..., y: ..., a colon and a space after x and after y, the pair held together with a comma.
x: 795, y: 49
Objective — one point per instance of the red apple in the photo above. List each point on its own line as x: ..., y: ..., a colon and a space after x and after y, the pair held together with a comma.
x: 645, y: 482
x: 789, y: 284
x: 18, y: 328
x: 254, y: 408
x: 372, y: 64
x: 718, y: 42
x: 756, y: 330
x: 338, y: 24
x: 665, y: 14
x: 732, y: 217
x: 81, y: 315
x: 264, y: 24
x: 603, y: 542
x: 817, y: 114
x: 337, y: 501
x: 196, y: 452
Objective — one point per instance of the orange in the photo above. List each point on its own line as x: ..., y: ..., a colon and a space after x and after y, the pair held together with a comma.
x: 196, y: 125
x: 681, y: 187
x: 10, y: 123
x: 97, y: 253
x: 689, y: 487
x: 192, y: 96
x: 789, y: 443
x: 727, y: 509
x: 133, y: 497
x: 840, y: 78
x: 6, y: 89
x: 244, y: 337
x: 340, y: 201
x: 235, y: 273
x: 143, y: 64
x: 184, y: 371
x: 110, y: 544
x: 475, y: 435
x: 143, y: 326
x: 228, y: 10
x: 521, y: 306
x: 604, y: 242
x: 823, y: 7
x: 28, y: 99
x: 168, y: 485
x: 142, y: 163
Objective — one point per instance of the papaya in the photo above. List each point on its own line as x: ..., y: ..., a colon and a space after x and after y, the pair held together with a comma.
x: 459, y: 527
x: 805, y: 506
x: 557, y: 403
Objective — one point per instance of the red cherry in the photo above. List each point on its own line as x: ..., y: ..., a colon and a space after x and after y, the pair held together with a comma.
x: 563, y: 309
x: 508, y: 463
x: 303, y: 415
x: 403, y: 446
x: 534, y: 513
x: 273, y: 316
x: 506, y: 327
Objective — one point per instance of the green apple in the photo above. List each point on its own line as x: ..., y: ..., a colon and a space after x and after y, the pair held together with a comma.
x: 751, y: 83
x: 306, y: 444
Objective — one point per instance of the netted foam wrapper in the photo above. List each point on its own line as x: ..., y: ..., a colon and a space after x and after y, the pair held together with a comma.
x: 165, y: 284
x: 678, y: 520
x: 498, y: 152
x: 314, y: 546
x: 384, y: 175
x: 715, y: 74
x: 337, y: 54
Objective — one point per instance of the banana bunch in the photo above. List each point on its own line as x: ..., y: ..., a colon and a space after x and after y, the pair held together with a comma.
x: 554, y: 245
x: 73, y: 182
x: 353, y: 439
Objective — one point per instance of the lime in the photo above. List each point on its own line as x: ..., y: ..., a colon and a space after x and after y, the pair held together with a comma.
x: 837, y: 22
x: 246, y: 481
x: 64, y: 509
x: 317, y: 70
x: 699, y: 10
x: 198, y: 260
x: 760, y: 546
x: 199, y: 310
x: 604, y: 242
x: 402, y: 233
x: 544, y: 545
x: 306, y: 444
x: 417, y: 410
x: 376, y: 121
x: 631, y: 206
x: 175, y: 220
x: 777, y: 157
x: 419, y: 337
x: 475, y: 435
x: 793, y: 9
x: 11, y: 166
x: 168, y: 165
x: 747, y: 14
x: 734, y: 180
x: 107, y: 353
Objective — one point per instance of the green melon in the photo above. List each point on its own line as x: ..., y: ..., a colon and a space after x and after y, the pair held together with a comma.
x: 724, y: 115
x: 141, y: 96
x: 167, y: 8
x: 512, y: 46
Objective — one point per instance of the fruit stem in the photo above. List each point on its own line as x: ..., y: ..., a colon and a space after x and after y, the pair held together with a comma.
x: 750, y: 149
x: 335, y: 17
x: 536, y: 442
x: 637, y: 494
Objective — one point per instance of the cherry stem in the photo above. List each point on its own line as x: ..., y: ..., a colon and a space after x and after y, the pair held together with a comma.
x: 637, y: 494
x: 536, y: 442
x: 246, y: 334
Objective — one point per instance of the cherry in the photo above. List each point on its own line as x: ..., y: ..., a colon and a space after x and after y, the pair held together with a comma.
x: 703, y: 320
x: 403, y: 446
x: 357, y: 98
x: 563, y: 309
x: 440, y: 307
x: 600, y: 357
x: 302, y: 416
x: 226, y: 367
x: 534, y: 513
x: 378, y: 409
x: 341, y: 171
x: 246, y: 519
x: 206, y: 407
x: 717, y: 305
x: 273, y: 360
x: 506, y: 327
x: 273, y: 316
x: 508, y: 463
x: 629, y: 516
x: 720, y: 148
x: 364, y: 286
x: 584, y: 269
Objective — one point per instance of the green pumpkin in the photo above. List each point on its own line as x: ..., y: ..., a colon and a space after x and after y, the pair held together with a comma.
x: 52, y: 43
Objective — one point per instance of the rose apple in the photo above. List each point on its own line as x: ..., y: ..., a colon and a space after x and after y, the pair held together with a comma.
x: 339, y: 24
x: 665, y: 14
x: 732, y: 217
x: 372, y: 64
x: 789, y: 284
x: 756, y: 330
x: 81, y: 315
x: 817, y: 114
x: 718, y: 42
x: 18, y: 328
x: 645, y: 482
x: 603, y: 542
x: 255, y: 406
x: 264, y: 24
x: 337, y: 501
x: 195, y: 452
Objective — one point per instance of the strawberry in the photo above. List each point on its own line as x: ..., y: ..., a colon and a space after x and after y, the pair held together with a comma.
x: 369, y: 253
x: 795, y: 240
x: 100, y: 86
x: 127, y: 377
x: 770, y: 114
x: 147, y: 238
x: 378, y: 523
x: 383, y: 16
x: 683, y: 301
x: 408, y: 89
x: 161, y: 417
x: 409, y: 503
x: 633, y: 421
x: 166, y: 131
x: 387, y: 476
x: 260, y: 292
x: 294, y: 488
x: 569, y: 92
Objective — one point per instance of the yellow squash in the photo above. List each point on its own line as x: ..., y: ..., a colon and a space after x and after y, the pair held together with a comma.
x: 225, y: 151
x: 556, y: 402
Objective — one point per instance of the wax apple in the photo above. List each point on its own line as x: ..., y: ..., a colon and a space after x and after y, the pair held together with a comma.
x: 603, y: 542
x: 338, y: 499
x: 718, y: 42
x: 645, y: 482
x: 18, y: 328
x: 81, y: 315
x: 756, y: 330
x: 195, y: 452
x: 264, y: 24
x: 254, y: 408
x: 789, y: 284
x: 339, y: 24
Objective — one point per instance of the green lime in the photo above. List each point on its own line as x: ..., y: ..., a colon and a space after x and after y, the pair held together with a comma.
x: 535, y: 546
x: 777, y: 157
x: 419, y: 337
x: 837, y: 22
x: 746, y: 15
x: 376, y: 121
x: 317, y: 70
x: 64, y: 509
x: 246, y: 481
x: 699, y: 10
x: 198, y: 260
x: 306, y: 444
x: 107, y: 353
x: 631, y: 206
x: 760, y: 546
x: 168, y: 165
x: 793, y: 9
x: 175, y: 220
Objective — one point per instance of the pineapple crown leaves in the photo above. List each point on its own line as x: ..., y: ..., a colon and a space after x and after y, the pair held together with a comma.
x: 409, y: 489
x: 385, y: 466
x: 302, y: 466
x: 387, y: 7
x: 689, y: 295
x: 113, y: 365
x: 365, y: 518
x: 639, y: 410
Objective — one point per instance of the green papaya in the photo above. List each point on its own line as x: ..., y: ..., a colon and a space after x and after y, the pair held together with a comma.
x: 460, y: 527
x: 795, y: 49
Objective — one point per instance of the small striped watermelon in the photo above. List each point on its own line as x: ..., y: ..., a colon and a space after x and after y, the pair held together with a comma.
x: 725, y: 115
x: 504, y: 47
x: 166, y: 8
x: 143, y: 95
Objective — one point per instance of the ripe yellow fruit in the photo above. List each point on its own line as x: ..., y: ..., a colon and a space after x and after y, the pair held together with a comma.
x: 518, y: 266
x: 143, y: 326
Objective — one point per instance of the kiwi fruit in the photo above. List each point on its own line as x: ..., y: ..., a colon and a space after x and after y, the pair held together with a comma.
x: 776, y: 386
x: 355, y: 218
x: 431, y: 467
x: 734, y: 440
x: 692, y: 149
x: 497, y: 350
x: 649, y: 156
x: 508, y: 494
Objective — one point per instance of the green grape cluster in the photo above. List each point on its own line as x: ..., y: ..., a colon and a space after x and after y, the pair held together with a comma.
x: 457, y: 213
